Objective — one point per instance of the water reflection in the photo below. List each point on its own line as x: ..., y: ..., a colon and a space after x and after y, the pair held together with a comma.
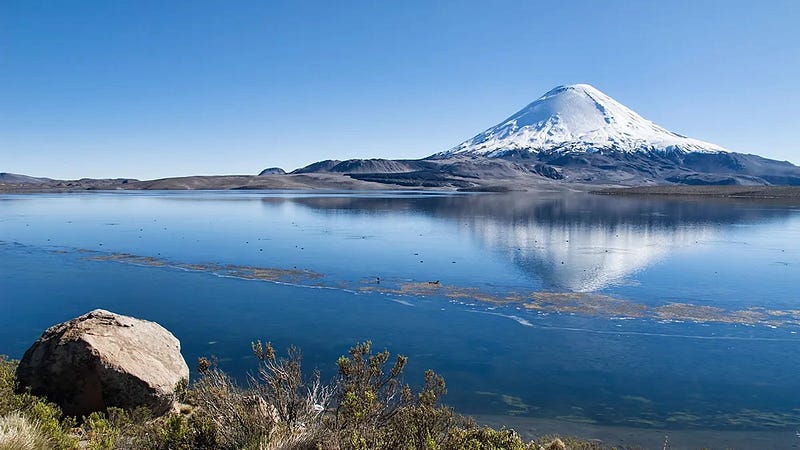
x: 506, y: 359
x: 575, y: 242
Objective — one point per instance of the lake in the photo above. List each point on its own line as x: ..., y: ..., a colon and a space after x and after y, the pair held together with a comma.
x: 582, y: 312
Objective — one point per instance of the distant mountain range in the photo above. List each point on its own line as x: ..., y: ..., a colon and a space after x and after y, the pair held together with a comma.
x: 576, y: 134
x: 21, y: 179
x: 572, y: 134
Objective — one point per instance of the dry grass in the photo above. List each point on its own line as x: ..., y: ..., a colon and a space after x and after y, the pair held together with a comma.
x: 20, y: 433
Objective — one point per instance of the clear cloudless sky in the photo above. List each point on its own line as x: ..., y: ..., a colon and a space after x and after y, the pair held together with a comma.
x: 149, y: 89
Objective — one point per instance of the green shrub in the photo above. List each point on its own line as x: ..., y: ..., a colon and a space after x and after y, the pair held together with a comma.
x: 47, y: 416
x: 8, y: 398
x: 421, y: 423
x: 175, y: 434
x: 179, y: 432
x: 204, y: 432
x: 135, y: 430
x: 102, y: 434
x: 368, y: 397
x: 485, y: 438
x: 366, y: 393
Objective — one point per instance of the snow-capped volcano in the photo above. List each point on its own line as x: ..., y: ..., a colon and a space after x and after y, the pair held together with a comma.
x: 577, y: 117
x: 572, y: 134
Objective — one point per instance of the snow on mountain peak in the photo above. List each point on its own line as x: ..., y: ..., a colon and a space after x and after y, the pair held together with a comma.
x: 577, y: 117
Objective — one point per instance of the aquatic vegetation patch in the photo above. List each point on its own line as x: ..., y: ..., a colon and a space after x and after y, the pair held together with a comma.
x: 292, y: 276
x: 637, y: 399
x: 542, y: 302
x: 585, y: 303
x: 598, y: 305
x: 744, y: 419
x: 126, y: 258
x: 517, y: 407
x: 577, y: 419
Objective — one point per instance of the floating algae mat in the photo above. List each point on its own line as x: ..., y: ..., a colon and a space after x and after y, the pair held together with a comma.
x: 543, y: 302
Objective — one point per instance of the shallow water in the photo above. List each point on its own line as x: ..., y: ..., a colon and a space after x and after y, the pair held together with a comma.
x: 706, y: 337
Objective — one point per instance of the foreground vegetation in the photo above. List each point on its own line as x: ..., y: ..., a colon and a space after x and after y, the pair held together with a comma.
x: 367, y: 407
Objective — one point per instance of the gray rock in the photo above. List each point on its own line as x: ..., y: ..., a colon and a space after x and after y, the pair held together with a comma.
x: 102, y: 359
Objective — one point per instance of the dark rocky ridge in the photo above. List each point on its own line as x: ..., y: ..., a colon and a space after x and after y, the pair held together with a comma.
x: 511, y: 171
x: 272, y: 171
x: 676, y: 167
x: 514, y: 170
x: 439, y: 173
x: 357, y: 166
x: 603, y: 167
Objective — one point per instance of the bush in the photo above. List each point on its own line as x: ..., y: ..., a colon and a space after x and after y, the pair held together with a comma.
x: 101, y: 433
x: 366, y: 393
x: 296, y: 402
x: 240, y: 418
x: 121, y: 430
x: 367, y: 407
x: 485, y: 438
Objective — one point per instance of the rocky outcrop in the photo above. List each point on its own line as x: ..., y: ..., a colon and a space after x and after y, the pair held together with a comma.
x: 363, y: 166
x: 272, y: 171
x: 102, y: 359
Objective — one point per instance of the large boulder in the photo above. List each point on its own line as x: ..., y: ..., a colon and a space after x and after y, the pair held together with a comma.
x: 102, y: 359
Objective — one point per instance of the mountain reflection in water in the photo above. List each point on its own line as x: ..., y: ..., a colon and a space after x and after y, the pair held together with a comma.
x: 574, y: 242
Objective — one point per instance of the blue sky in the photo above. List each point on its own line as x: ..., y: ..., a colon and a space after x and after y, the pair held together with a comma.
x: 150, y: 89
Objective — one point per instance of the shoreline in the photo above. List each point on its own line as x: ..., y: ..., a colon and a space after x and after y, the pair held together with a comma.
x: 650, y: 438
x: 732, y: 192
x: 336, y: 182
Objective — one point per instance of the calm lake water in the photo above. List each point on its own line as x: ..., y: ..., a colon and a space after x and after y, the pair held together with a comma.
x: 646, y: 313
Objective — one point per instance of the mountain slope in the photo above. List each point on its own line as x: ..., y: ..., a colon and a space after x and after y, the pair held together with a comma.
x: 6, y: 177
x: 576, y: 118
